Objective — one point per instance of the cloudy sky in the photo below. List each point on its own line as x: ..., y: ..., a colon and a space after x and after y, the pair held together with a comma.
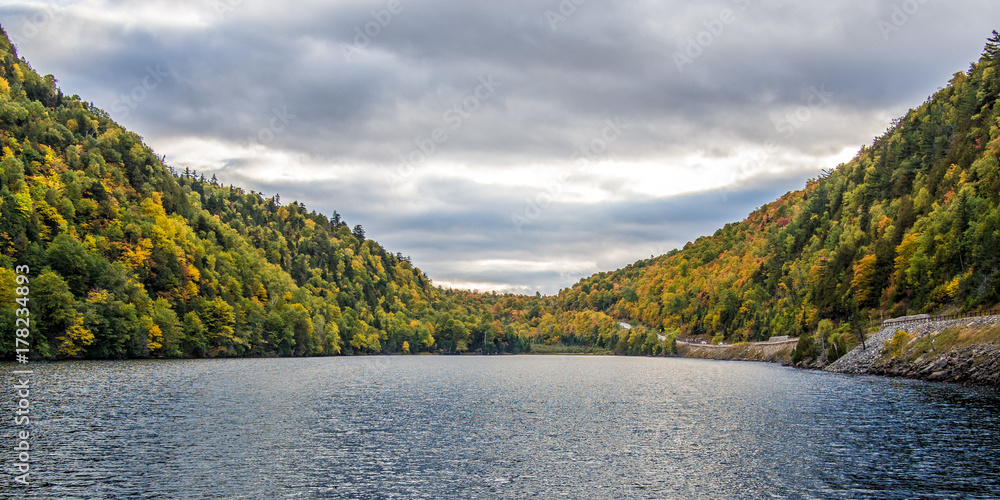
x: 515, y: 145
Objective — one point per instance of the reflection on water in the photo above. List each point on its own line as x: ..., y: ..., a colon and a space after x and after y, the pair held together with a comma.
x: 507, y: 427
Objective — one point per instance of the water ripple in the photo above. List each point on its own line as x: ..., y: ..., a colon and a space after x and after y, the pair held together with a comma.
x: 502, y: 427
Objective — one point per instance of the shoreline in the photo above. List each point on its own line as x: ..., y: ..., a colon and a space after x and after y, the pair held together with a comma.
x: 768, y: 351
x: 964, y: 351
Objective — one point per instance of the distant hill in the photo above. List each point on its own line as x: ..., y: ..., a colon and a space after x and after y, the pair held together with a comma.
x: 910, y: 225
x: 128, y: 258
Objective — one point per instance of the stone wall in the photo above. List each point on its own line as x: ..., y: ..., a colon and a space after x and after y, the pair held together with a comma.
x: 977, y: 364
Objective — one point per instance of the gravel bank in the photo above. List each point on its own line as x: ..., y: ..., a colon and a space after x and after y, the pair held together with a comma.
x: 978, y: 364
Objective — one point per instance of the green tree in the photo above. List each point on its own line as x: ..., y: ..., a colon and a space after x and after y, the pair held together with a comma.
x: 456, y: 335
x: 837, y: 347
x: 115, y: 325
x: 298, y: 319
x: 194, y: 342
x: 218, y: 319
x: 806, y: 348
x: 279, y: 334
x: 992, y: 50
x: 164, y: 317
x: 54, y: 302
x: 72, y: 261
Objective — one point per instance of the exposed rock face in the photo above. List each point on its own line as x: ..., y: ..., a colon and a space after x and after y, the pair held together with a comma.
x: 976, y: 364
x: 773, y: 351
x: 862, y: 358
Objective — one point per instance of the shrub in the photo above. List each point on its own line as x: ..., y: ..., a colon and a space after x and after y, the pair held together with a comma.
x: 894, y: 347
x: 806, y: 348
x: 837, y: 347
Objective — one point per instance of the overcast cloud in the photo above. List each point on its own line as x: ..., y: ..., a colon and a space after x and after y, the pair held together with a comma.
x: 516, y: 145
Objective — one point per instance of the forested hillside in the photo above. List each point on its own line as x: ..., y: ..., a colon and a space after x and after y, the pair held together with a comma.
x: 130, y: 259
x: 910, y: 225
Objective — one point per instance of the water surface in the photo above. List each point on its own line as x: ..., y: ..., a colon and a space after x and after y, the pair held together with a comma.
x: 501, y: 427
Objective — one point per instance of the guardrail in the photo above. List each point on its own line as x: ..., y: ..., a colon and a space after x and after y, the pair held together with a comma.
x: 926, y: 318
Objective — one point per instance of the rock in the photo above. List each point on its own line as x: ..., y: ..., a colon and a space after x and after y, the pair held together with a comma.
x: 977, y: 364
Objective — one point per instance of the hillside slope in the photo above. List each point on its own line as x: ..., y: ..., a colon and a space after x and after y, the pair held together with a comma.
x: 910, y: 225
x: 130, y: 259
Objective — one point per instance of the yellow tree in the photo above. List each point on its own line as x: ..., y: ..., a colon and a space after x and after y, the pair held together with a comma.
x: 76, y: 338
x: 863, y: 282
x: 904, y: 252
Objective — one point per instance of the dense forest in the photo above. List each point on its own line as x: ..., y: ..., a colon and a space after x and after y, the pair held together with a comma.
x: 130, y: 258
x: 910, y: 225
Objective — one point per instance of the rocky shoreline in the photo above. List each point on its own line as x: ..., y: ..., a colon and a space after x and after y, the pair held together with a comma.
x: 771, y: 352
x: 963, y: 350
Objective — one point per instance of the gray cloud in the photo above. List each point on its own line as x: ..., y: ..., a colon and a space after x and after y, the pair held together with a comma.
x: 365, y: 100
x: 471, y: 222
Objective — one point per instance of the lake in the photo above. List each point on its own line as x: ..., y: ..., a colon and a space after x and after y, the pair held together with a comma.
x: 499, y: 427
